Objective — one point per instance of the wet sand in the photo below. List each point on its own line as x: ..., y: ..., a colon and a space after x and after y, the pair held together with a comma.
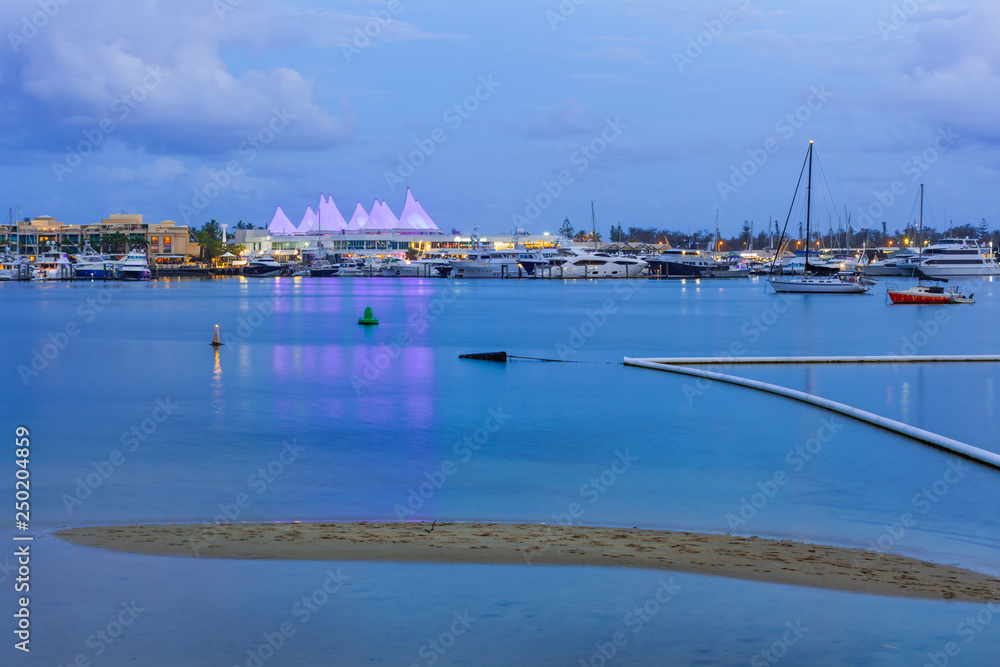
x: 773, y: 561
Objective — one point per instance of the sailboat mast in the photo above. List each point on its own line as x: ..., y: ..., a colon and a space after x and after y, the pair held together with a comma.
x: 593, y: 225
x: 809, y: 189
x: 920, y: 232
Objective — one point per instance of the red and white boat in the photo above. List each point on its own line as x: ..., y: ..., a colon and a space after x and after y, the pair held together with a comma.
x: 929, y: 294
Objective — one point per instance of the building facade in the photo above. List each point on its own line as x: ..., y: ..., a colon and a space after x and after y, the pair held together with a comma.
x: 161, y: 239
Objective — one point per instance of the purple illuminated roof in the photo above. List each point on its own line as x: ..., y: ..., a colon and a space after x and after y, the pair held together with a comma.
x: 414, y: 216
x: 280, y: 224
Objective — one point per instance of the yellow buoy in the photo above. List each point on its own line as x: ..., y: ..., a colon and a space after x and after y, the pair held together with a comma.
x: 369, y: 317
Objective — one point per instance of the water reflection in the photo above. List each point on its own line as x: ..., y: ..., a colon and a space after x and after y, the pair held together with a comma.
x: 217, y: 395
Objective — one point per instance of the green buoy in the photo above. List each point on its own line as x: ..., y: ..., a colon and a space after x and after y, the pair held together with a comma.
x: 369, y: 317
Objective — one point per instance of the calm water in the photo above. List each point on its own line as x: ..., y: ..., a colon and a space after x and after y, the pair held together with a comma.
x: 376, y: 412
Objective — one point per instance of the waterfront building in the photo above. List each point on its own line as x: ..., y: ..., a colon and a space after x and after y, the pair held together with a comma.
x: 164, y: 239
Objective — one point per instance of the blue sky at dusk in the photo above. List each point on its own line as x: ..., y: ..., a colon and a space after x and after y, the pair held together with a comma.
x: 661, y: 113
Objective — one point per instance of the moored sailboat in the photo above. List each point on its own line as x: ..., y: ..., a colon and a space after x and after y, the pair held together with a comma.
x: 809, y: 283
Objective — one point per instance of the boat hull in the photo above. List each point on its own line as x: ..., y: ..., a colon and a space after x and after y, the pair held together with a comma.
x: 817, y: 286
x: 983, y: 271
x: 261, y: 271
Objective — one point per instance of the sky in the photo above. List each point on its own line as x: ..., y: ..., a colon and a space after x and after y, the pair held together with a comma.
x: 502, y: 115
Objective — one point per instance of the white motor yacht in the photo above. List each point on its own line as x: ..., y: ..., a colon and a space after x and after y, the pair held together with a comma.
x: 489, y: 264
x: 583, y: 263
x: 12, y: 267
x: 53, y: 266
x: 425, y: 267
x: 134, y: 266
x: 950, y: 258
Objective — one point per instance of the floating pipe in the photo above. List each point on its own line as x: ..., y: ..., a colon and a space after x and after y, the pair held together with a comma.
x: 898, y: 359
x: 941, y: 442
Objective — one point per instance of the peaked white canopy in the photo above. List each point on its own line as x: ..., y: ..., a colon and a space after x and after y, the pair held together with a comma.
x: 414, y: 216
x: 388, y: 217
x: 359, y: 218
x: 309, y: 221
x: 376, y: 219
x: 280, y: 224
x: 330, y: 219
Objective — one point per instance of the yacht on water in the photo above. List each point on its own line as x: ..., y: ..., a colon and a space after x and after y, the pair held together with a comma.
x: 133, y: 266
x: 263, y: 266
x: 321, y: 268
x: 489, y: 264
x: 682, y: 262
x: 900, y: 264
x: 949, y: 258
x: 577, y: 262
x: 53, y: 266
x: 12, y: 267
x: 425, y: 267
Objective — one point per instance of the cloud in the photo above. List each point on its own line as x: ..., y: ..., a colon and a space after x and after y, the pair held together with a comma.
x: 566, y: 119
x: 952, y: 77
x: 160, y: 72
x: 615, y: 54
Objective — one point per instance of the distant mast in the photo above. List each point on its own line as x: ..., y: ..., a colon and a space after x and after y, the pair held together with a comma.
x: 809, y: 189
x: 593, y: 225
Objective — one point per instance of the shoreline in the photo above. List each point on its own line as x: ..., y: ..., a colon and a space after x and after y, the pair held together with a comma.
x: 783, y: 562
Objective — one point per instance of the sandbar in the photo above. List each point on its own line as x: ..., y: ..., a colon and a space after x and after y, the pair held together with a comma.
x: 773, y: 561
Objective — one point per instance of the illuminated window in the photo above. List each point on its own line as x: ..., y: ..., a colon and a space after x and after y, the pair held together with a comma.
x: 156, y: 239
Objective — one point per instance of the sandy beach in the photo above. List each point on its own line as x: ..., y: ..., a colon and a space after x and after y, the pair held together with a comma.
x: 773, y: 561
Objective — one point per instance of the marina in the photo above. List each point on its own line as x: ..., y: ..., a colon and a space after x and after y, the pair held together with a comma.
x: 454, y: 334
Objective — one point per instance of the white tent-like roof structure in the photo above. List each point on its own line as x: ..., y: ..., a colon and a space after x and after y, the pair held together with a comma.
x: 358, y: 220
x: 388, y: 217
x: 280, y: 224
x: 309, y: 221
x: 376, y: 219
x: 330, y: 219
x: 414, y: 217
